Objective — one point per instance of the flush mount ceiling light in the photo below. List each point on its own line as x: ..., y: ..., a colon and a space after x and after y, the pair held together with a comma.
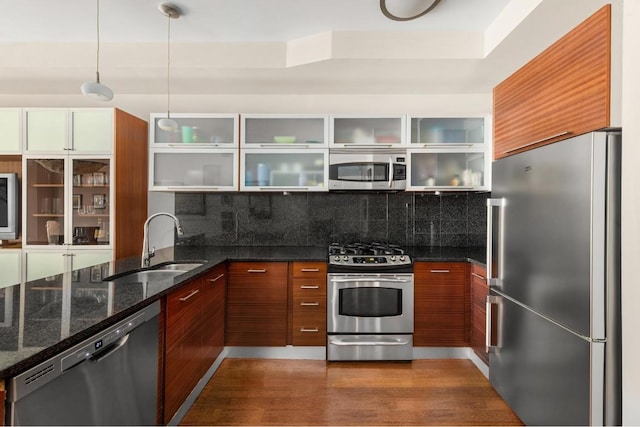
x: 171, y: 12
x: 96, y: 89
x: 385, y: 11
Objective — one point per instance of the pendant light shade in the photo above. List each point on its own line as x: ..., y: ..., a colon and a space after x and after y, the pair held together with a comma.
x: 171, y: 12
x: 96, y: 89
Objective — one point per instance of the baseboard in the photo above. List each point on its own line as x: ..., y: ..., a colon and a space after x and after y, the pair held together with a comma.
x: 482, y: 367
x: 288, y: 352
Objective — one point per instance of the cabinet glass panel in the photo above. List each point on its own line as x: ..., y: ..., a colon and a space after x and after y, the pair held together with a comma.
x: 93, y: 130
x: 367, y: 131
x: 43, y: 311
x: 46, y: 130
x: 284, y: 170
x: 45, y: 201
x: 10, y: 131
x: 465, y: 170
x: 283, y: 132
x: 215, y: 170
x: 44, y: 264
x: 90, y: 202
x: 197, y: 130
x: 447, y: 131
x: 10, y: 260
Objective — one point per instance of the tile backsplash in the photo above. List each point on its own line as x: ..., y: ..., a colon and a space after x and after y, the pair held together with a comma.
x: 317, y: 219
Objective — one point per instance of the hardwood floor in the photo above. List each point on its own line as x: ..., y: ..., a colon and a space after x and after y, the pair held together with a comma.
x: 312, y: 392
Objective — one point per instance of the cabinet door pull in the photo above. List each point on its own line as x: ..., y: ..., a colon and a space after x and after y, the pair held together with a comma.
x: 309, y: 270
x: 263, y: 270
x: 220, y: 276
x: 309, y: 330
x: 440, y: 271
x: 315, y: 304
x: 566, y: 132
x: 183, y: 299
x: 309, y: 287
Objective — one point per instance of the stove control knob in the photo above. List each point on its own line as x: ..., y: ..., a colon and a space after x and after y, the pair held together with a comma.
x: 401, y: 258
x: 392, y: 258
x: 336, y: 258
x: 345, y: 258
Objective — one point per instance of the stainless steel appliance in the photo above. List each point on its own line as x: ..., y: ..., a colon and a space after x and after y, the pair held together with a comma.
x: 9, y: 206
x: 108, y: 379
x: 554, y: 273
x: 369, y: 303
x: 374, y: 169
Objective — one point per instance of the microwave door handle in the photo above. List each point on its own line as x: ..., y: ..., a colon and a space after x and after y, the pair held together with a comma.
x: 390, y: 171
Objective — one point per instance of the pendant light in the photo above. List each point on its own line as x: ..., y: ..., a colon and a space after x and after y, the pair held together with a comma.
x: 96, y: 89
x: 385, y: 11
x: 171, y: 12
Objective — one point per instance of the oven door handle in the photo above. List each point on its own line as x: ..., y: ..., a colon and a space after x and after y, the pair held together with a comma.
x: 371, y: 279
x: 367, y: 343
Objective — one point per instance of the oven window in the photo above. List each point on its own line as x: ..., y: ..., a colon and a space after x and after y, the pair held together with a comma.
x: 370, y: 302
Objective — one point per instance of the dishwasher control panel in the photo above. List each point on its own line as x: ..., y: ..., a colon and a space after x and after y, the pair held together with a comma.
x: 110, y: 337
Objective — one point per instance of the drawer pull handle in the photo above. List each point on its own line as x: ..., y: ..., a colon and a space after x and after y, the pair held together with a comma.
x: 220, y: 276
x: 440, y: 271
x: 309, y: 287
x: 264, y: 270
x: 183, y: 299
x: 309, y: 330
x: 309, y: 270
x: 478, y: 276
x: 566, y: 132
x: 310, y: 303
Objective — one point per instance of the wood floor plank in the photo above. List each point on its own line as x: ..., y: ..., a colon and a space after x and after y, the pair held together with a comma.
x: 312, y: 392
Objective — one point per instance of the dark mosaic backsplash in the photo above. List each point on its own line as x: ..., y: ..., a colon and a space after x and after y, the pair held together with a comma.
x: 317, y: 219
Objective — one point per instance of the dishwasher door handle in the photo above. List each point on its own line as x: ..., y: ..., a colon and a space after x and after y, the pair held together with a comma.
x: 110, y: 349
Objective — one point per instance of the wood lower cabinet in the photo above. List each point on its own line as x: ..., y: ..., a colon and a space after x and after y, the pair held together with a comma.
x: 563, y: 92
x: 441, y: 317
x: 214, y: 286
x: 183, y: 345
x: 309, y: 305
x: 257, y: 304
x: 479, y: 292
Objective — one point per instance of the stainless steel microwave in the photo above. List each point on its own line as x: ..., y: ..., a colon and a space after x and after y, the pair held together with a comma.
x: 380, y: 170
x: 9, y: 206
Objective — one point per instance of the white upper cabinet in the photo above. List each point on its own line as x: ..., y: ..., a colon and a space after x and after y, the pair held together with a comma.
x: 10, y: 131
x: 447, y: 132
x: 195, y: 131
x: 284, y: 131
x: 61, y: 130
x: 368, y: 131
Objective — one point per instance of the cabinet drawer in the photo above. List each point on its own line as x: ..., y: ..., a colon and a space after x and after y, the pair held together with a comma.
x: 441, y: 273
x: 310, y: 288
x: 258, y: 270
x: 309, y: 269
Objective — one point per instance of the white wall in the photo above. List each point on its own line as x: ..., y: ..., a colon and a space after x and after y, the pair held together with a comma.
x: 630, y: 213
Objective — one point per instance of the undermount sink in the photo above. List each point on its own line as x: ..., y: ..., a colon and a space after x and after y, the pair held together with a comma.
x: 159, y: 272
x: 145, y: 276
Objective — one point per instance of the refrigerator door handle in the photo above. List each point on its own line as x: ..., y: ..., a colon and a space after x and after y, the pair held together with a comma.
x: 491, y: 205
x: 489, y: 339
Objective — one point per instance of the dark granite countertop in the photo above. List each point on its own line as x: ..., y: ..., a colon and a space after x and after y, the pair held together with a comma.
x: 46, y: 316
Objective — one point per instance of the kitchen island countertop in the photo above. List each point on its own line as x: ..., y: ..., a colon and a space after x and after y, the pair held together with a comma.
x: 47, y: 316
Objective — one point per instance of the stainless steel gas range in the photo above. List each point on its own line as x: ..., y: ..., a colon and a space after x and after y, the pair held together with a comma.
x: 369, y: 302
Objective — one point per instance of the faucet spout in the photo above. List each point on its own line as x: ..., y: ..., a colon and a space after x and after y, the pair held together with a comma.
x: 148, y: 253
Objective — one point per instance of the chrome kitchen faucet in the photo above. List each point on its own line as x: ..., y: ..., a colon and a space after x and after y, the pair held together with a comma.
x: 148, y: 253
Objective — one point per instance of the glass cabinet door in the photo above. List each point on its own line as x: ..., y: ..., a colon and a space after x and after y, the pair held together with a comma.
x: 90, y: 201
x: 269, y: 131
x: 45, y: 201
x: 447, y: 170
x: 197, y: 130
x: 376, y: 131
x: 294, y: 170
x: 447, y: 131
x: 194, y: 170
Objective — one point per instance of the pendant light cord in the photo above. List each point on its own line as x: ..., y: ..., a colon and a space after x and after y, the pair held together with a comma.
x: 168, y: 63
x: 385, y: 11
x: 98, y: 41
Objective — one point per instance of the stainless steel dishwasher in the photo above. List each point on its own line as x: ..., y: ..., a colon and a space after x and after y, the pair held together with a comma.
x: 108, y: 379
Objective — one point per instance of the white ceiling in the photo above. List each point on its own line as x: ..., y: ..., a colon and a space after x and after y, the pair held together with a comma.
x: 276, y: 46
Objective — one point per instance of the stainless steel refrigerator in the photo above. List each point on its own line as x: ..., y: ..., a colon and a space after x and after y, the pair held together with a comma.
x: 553, y: 257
